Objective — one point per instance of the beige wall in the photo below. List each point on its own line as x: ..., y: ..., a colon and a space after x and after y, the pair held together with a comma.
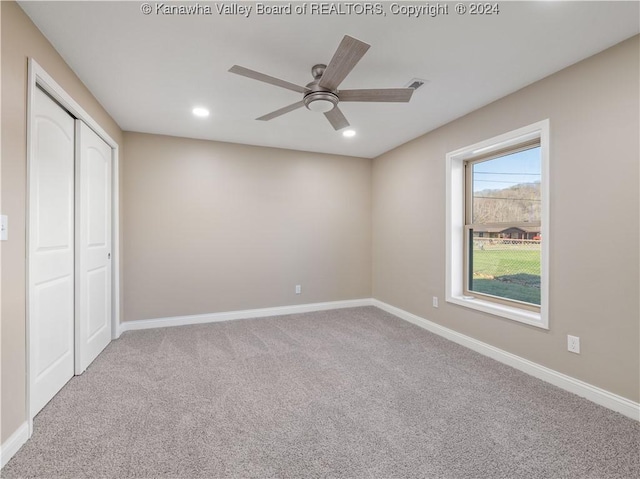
x: 594, y: 271
x: 218, y: 227
x: 21, y: 40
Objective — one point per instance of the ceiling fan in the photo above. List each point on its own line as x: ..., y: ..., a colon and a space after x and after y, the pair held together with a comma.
x: 322, y: 94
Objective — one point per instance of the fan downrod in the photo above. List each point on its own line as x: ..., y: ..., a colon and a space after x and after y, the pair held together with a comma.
x: 318, y: 70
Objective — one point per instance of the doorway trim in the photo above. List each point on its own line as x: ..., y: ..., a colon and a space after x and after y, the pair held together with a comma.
x: 38, y: 77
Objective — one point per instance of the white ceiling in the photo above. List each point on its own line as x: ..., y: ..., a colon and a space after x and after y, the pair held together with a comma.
x: 149, y: 71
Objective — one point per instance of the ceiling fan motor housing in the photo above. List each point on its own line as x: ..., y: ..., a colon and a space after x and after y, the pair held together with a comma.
x: 319, y: 99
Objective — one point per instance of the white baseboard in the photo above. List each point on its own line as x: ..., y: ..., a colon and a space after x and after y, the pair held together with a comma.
x: 593, y: 393
x: 245, y: 314
x: 14, y: 443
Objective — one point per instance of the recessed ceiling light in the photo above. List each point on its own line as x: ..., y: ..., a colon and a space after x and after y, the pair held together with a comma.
x: 349, y: 133
x: 201, y: 112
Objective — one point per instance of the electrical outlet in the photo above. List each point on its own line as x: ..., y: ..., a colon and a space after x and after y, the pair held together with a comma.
x: 4, y: 228
x: 298, y: 289
x: 573, y: 344
x: 435, y: 301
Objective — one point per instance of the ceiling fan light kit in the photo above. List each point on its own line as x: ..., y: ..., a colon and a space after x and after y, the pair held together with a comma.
x: 320, y: 101
x: 322, y: 94
x: 321, y: 105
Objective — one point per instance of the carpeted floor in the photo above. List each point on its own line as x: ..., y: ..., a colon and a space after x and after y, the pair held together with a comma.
x: 349, y: 393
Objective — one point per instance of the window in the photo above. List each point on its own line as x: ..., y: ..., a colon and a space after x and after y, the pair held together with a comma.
x: 502, y: 226
x: 497, y: 225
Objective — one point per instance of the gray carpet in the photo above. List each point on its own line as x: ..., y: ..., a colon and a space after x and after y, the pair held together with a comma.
x: 349, y: 393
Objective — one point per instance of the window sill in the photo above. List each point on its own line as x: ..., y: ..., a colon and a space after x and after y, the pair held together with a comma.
x: 504, y: 311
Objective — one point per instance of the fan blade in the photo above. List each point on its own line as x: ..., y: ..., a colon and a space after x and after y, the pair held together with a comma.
x: 349, y: 52
x: 380, y: 94
x: 281, y: 111
x: 245, y: 72
x: 337, y: 119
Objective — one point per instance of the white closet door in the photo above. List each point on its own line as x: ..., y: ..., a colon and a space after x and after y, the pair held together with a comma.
x: 51, y: 250
x: 93, y: 237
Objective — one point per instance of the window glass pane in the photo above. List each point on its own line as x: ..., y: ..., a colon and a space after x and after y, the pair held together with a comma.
x: 507, y: 188
x: 505, y: 262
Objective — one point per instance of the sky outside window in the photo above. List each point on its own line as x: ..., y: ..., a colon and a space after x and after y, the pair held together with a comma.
x: 506, y: 171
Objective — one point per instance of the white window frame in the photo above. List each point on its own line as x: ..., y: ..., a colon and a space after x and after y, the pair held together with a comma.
x: 455, y: 204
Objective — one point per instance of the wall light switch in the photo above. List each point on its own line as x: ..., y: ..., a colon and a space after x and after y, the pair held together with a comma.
x: 4, y: 228
x: 435, y: 301
x: 298, y: 289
